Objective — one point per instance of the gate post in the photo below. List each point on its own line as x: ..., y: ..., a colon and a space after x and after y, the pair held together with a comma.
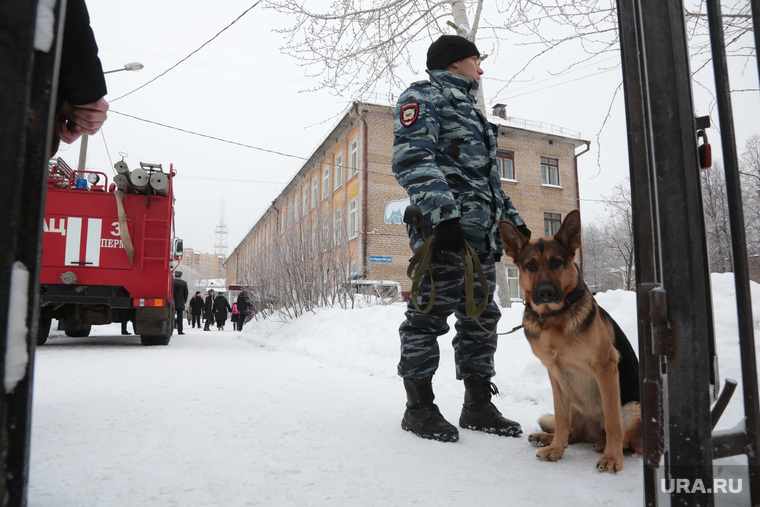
x: 675, y: 324
x: 29, y: 84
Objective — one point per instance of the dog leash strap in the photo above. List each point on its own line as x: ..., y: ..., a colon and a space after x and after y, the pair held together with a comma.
x: 418, y: 264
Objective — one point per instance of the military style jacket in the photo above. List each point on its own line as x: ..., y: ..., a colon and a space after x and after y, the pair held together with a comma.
x: 444, y: 155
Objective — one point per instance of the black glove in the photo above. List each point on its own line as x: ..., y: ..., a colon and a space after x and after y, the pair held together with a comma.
x: 448, y: 236
x: 524, y: 230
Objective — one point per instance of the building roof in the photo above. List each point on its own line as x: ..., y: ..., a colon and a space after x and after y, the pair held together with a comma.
x: 538, y: 129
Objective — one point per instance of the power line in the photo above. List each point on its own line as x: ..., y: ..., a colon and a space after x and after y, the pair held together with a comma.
x: 191, y: 54
x: 244, y: 145
x: 207, y: 136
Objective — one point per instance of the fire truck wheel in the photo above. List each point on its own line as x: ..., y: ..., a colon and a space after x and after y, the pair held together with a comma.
x: 43, y: 329
x: 81, y: 332
x: 159, y: 339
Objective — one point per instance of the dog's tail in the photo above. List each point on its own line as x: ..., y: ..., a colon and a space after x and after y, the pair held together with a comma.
x: 546, y: 422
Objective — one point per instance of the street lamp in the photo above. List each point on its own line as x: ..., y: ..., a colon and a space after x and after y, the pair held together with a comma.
x: 134, y: 66
x: 127, y: 66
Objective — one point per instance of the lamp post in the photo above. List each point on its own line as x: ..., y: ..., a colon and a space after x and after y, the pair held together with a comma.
x: 132, y: 67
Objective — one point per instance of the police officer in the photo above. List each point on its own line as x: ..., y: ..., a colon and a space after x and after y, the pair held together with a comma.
x: 444, y: 155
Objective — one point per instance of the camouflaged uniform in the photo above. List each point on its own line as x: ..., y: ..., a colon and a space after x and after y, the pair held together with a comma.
x: 444, y: 155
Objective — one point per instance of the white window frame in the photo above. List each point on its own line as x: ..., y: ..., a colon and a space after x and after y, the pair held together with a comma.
x: 338, y: 225
x: 500, y: 158
x: 353, y: 157
x: 325, y: 182
x: 353, y: 218
x: 548, y: 170
x: 314, y: 192
x: 338, y: 171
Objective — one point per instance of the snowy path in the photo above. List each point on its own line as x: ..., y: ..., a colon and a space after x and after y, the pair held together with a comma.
x: 218, y: 418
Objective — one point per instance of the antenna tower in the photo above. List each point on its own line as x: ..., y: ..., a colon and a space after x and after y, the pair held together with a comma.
x: 220, y: 246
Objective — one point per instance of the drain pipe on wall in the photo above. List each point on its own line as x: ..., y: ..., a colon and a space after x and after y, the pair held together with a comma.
x: 365, y: 193
x: 578, y: 189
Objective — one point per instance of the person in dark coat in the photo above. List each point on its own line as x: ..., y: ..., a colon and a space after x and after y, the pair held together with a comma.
x: 180, y: 299
x: 208, y: 310
x: 221, y: 310
x: 81, y: 107
x: 245, y: 308
x: 196, y: 308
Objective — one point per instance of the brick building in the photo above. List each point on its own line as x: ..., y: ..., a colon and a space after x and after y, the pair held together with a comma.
x: 347, y: 186
x: 208, y: 266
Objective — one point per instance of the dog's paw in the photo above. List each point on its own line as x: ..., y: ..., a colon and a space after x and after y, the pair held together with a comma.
x: 612, y: 464
x: 600, y: 445
x: 540, y: 439
x: 551, y: 453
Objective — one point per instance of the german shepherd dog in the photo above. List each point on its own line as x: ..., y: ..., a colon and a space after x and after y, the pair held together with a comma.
x: 592, y: 367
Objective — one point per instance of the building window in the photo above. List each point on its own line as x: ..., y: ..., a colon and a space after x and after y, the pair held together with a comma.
x: 514, y: 284
x: 325, y: 182
x: 305, y: 197
x: 552, y: 221
x: 353, y: 218
x: 506, y: 163
x: 338, y: 225
x: 353, y: 157
x: 549, y: 171
x: 338, y: 171
x: 314, y: 192
x: 324, y: 238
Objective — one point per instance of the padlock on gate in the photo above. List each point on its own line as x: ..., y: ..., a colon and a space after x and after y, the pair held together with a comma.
x: 704, y: 151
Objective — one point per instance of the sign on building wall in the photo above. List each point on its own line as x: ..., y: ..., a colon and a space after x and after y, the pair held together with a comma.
x: 381, y: 258
x: 394, y: 211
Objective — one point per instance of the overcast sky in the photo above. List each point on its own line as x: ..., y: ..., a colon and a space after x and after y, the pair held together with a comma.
x: 239, y: 88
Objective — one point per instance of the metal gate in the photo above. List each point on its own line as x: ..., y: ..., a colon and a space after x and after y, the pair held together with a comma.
x: 676, y: 342
x: 28, y: 84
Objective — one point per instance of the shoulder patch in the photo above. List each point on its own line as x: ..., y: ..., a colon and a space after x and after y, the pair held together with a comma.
x: 409, y: 113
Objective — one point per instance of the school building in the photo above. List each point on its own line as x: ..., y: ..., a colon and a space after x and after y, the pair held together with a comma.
x: 347, y: 188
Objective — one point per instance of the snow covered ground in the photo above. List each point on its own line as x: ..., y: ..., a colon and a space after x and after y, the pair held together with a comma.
x: 307, y: 413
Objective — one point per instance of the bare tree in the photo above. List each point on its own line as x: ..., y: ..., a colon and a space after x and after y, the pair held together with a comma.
x: 598, y: 262
x: 750, y: 174
x: 353, y: 48
x: 717, y: 227
x: 617, y: 237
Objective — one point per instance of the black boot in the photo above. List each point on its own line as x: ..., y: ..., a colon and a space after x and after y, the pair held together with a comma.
x: 478, y: 413
x: 422, y: 416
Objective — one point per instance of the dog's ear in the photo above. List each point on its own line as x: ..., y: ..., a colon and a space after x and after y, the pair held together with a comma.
x: 514, y: 240
x: 569, y: 234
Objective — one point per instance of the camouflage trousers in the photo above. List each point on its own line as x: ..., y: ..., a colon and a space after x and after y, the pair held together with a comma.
x: 474, y: 348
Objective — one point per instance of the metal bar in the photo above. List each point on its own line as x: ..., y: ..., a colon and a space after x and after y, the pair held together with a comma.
x: 30, y: 79
x: 679, y: 218
x: 738, y: 247
x: 756, y: 28
x: 16, y: 67
x: 645, y: 237
x: 723, y: 399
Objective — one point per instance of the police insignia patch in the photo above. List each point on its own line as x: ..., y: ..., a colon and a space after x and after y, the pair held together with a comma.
x: 409, y: 113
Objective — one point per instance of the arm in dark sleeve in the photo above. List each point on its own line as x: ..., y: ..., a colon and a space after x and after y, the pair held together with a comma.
x: 413, y: 160
x: 81, y: 79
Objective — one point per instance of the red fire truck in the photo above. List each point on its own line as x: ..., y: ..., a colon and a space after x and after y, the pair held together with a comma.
x: 107, y: 251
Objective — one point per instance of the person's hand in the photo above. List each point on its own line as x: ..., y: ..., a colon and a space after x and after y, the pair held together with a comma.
x: 73, y: 121
x: 448, y: 236
x: 524, y: 230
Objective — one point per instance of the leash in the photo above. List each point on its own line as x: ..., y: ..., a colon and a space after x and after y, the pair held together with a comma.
x: 421, y: 262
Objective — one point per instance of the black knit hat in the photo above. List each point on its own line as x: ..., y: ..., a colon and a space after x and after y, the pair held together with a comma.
x: 449, y: 49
